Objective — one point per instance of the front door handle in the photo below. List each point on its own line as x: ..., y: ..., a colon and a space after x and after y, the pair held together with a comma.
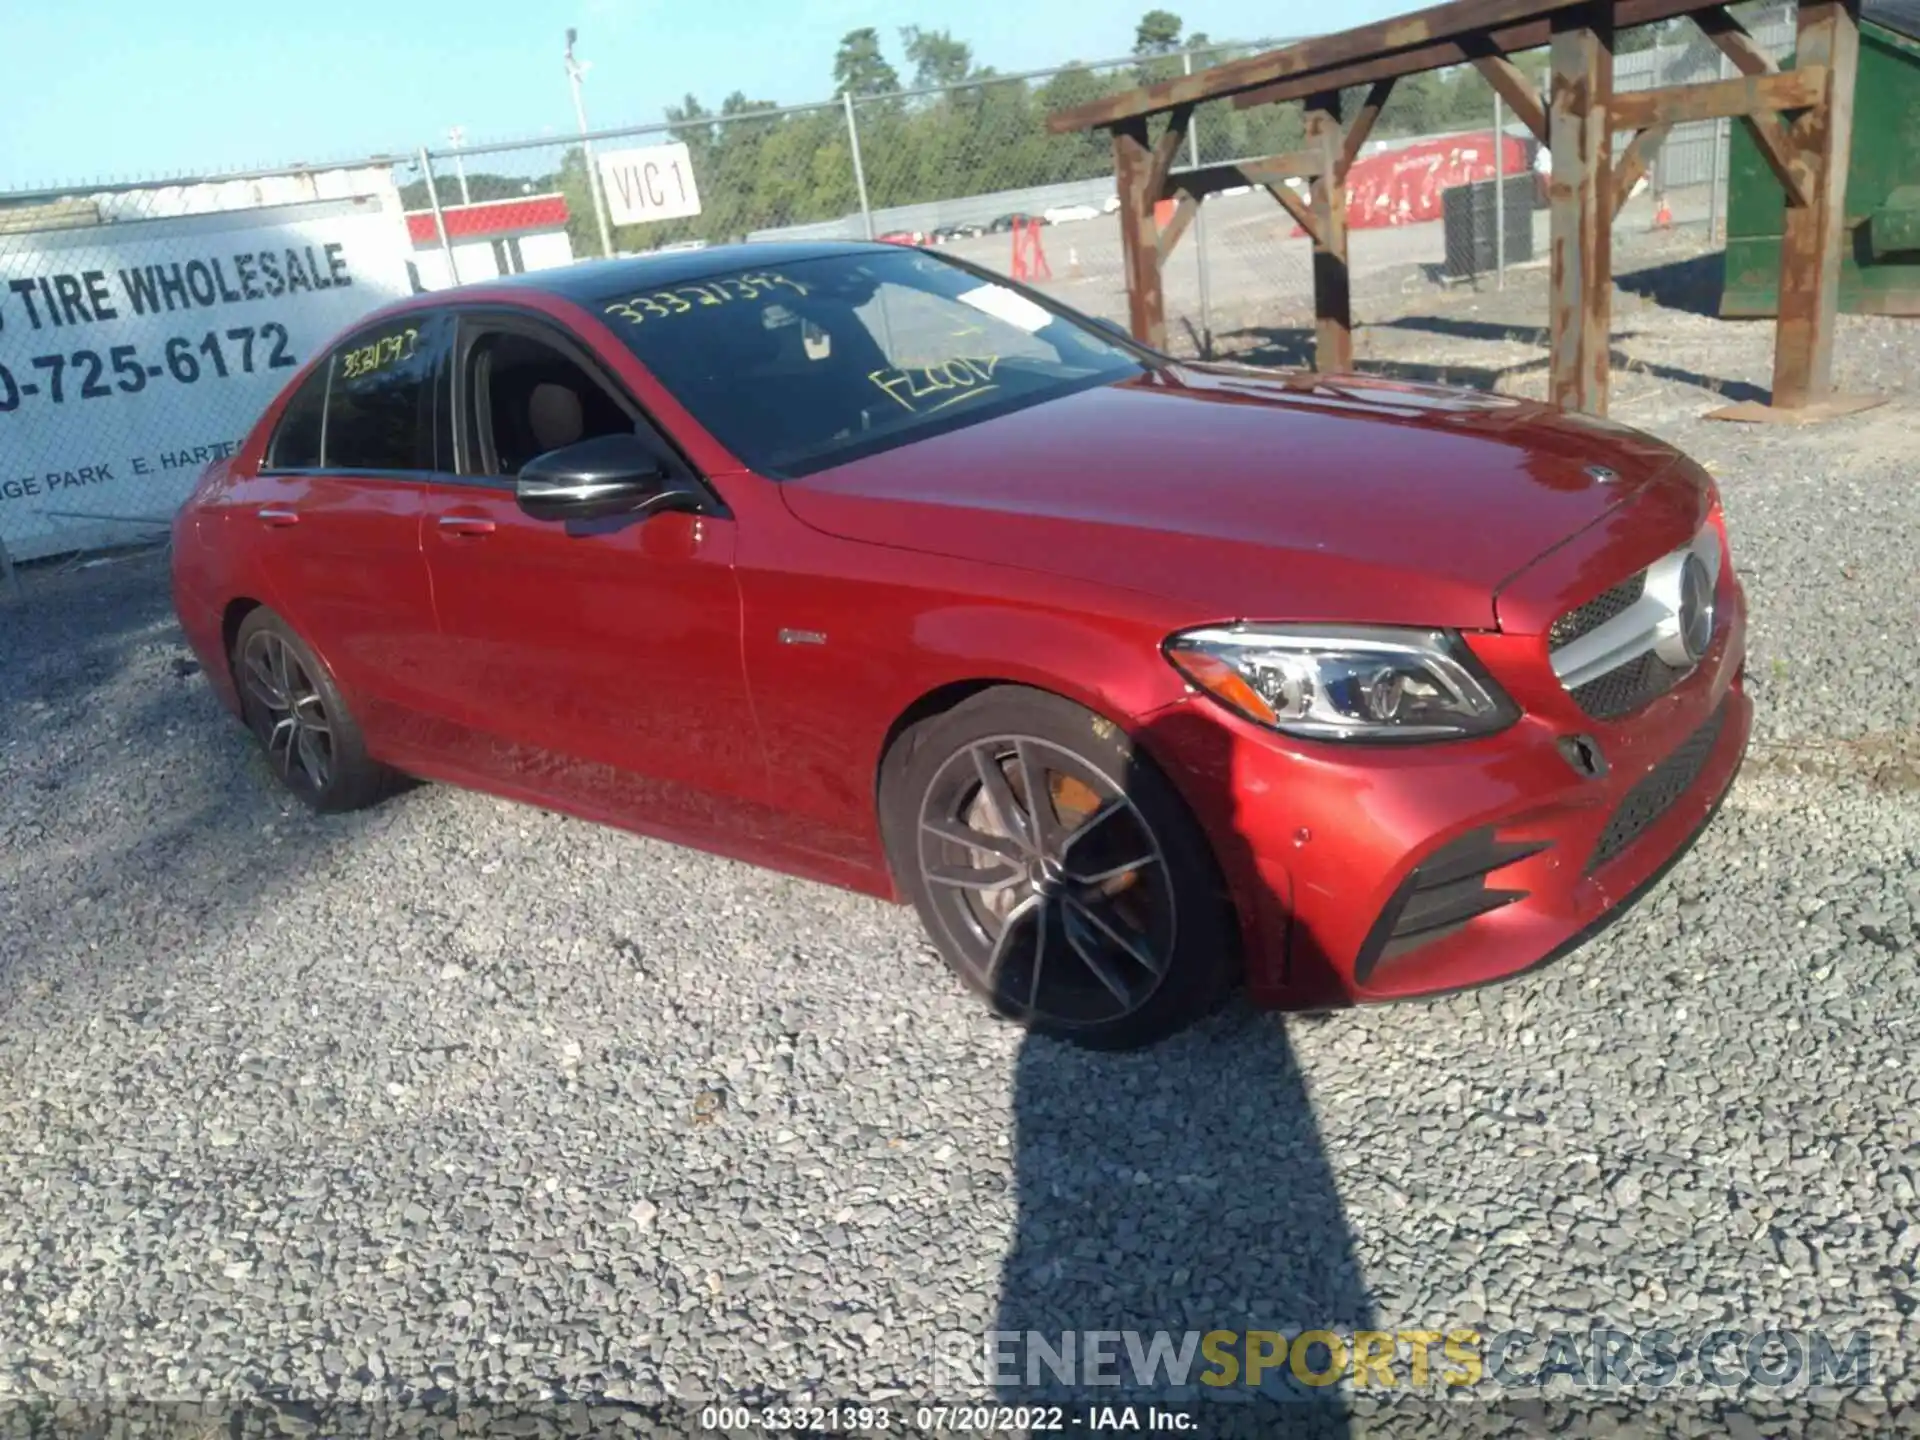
x: 466, y: 524
x: 277, y: 516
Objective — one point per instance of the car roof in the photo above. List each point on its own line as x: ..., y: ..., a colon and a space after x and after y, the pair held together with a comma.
x: 592, y: 279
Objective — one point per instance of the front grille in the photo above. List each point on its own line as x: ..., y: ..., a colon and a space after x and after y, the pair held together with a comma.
x: 1444, y: 892
x: 1597, y: 611
x: 1627, y: 687
x: 1656, y: 794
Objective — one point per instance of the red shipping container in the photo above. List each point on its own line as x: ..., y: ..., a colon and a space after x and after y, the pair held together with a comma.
x: 1403, y: 186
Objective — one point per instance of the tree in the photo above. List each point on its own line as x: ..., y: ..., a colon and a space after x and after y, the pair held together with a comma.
x: 1158, y: 33
x: 937, y: 58
x: 859, y: 68
x: 481, y: 186
x: 1082, y: 154
x: 1646, y: 37
x: 1433, y: 102
x: 977, y: 133
x: 583, y: 228
x: 688, y: 112
x: 1156, y: 36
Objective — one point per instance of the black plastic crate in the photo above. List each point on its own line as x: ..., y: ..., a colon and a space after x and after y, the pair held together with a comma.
x: 1469, y: 215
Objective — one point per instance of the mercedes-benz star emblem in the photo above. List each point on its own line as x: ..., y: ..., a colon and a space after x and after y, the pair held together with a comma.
x: 1696, y: 607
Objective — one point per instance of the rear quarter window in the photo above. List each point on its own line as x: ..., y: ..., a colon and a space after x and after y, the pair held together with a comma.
x: 296, y: 439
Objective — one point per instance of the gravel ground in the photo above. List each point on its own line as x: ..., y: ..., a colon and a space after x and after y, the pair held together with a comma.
x: 459, y: 1097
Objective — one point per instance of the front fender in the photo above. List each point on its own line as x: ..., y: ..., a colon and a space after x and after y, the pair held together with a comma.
x: 1113, y: 670
x: 835, y: 664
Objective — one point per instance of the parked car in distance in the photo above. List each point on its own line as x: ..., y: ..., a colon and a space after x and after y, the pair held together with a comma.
x: 867, y: 565
x: 1003, y: 223
x: 1063, y: 214
x: 943, y: 234
x: 902, y: 237
x: 1109, y: 205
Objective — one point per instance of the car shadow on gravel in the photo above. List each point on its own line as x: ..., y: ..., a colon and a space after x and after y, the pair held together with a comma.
x: 1164, y: 1196
x: 141, y: 823
x: 69, y: 630
x: 1168, y: 1193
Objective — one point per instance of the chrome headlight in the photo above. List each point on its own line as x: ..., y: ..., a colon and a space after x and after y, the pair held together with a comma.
x: 1345, y: 682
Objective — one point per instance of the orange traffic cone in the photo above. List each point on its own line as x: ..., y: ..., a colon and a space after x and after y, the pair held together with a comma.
x: 1662, y: 214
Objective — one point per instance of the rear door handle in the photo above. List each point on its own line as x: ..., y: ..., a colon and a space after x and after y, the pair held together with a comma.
x: 277, y: 516
x: 466, y: 524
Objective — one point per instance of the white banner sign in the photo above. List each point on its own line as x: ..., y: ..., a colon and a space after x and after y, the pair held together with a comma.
x: 133, y: 354
x: 651, y: 184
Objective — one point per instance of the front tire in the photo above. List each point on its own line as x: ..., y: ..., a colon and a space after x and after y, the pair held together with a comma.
x: 295, y: 710
x: 1057, y: 870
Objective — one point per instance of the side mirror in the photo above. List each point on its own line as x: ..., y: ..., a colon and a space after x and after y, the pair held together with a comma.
x: 607, y: 475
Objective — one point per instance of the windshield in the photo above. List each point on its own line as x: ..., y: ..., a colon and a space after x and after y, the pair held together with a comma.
x: 797, y: 366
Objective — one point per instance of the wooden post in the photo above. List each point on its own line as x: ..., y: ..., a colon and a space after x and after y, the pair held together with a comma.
x: 1332, y: 298
x: 1580, y: 195
x: 1815, y: 236
x: 1139, y: 235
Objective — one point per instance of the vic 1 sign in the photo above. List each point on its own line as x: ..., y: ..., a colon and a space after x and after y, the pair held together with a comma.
x: 651, y: 184
x: 132, y: 354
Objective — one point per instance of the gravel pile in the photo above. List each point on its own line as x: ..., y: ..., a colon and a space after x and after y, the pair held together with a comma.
x: 458, y: 1097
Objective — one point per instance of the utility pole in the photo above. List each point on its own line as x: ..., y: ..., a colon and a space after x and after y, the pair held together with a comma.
x: 575, y: 73
x: 1499, y: 193
x: 1199, y: 230
x: 457, y: 134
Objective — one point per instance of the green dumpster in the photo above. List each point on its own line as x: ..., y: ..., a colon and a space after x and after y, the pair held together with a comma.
x: 1880, y: 271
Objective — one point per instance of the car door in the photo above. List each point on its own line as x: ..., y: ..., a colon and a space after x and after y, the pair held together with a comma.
x: 594, y: 664
x: 334, y: 514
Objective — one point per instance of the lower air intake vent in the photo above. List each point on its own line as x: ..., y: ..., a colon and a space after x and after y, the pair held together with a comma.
x: 1656, y: 794
x: 1444, y: 892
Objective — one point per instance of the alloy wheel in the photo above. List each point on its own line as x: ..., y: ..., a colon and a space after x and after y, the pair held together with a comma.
x: 1048, y: 880
x: 293, y: 721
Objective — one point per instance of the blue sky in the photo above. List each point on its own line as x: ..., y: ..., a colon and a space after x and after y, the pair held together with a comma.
x: 122, y: 88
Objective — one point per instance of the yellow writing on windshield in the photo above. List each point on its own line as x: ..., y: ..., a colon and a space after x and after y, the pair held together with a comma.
x: 683, y: 299
x: 924, y: 388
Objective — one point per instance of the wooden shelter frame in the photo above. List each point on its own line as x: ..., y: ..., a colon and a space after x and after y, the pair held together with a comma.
x: 1800, y: 118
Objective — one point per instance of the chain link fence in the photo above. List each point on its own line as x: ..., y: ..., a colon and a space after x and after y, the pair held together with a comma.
x: 143, y: 326
x: 1689, y: 169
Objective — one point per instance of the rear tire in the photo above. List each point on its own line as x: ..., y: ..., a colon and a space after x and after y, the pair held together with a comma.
x: 1100, y: 917
x: 295, y: 710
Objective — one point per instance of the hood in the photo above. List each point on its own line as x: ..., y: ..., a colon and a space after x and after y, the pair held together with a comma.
x: 1253, y: 494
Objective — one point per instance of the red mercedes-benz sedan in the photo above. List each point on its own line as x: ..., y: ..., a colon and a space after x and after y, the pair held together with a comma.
x: 1136, y: 677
